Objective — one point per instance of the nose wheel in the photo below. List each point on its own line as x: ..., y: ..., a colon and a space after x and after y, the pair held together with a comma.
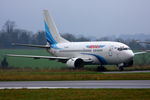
x: 121, y: 66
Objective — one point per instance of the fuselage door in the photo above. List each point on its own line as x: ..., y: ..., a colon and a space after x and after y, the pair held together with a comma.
x: 110, y: 52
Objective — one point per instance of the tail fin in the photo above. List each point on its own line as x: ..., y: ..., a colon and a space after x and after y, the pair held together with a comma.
x: 52, y: 34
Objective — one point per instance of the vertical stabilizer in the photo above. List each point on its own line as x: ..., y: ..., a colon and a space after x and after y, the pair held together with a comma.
x: 52, y: 34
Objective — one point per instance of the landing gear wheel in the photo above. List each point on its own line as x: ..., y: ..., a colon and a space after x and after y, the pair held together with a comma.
x: 121, y: 68
x: 101, y: 68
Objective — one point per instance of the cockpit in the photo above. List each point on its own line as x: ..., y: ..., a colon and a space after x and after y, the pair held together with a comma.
x: 123, y: 48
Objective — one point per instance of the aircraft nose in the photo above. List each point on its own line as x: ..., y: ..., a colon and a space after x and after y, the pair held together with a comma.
x: 130, y: 54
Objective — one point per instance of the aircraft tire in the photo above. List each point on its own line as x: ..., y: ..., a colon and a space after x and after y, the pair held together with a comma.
x: 121, y: 68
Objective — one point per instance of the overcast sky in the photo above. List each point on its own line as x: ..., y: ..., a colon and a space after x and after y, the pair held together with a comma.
x: 87, y: 17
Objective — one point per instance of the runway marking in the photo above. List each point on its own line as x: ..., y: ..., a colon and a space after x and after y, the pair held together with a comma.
x: 103, y: 87
x: 34, y: 87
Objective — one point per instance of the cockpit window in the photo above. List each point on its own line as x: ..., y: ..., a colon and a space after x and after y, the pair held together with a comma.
x: 122, y: 48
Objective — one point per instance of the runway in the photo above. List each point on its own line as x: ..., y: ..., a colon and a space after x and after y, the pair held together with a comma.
x: 144, y: 71
x: 76, y: 84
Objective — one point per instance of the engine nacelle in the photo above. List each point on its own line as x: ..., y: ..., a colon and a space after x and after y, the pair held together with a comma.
x: 75, y: 63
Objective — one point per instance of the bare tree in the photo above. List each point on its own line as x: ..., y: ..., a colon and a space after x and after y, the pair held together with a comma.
x: 9, y: 26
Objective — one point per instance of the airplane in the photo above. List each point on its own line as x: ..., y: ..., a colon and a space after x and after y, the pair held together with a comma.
x: 78, y: 54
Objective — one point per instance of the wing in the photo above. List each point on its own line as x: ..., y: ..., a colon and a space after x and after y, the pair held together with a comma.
x: 61, y: 59
x: 142, y: 52
x: 143, y: 42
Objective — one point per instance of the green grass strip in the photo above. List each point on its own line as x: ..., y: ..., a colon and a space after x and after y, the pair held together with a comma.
x: 52, y: 75
x: 75, y: 94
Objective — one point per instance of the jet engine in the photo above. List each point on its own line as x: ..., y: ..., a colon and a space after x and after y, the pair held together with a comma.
x: 75, y: 63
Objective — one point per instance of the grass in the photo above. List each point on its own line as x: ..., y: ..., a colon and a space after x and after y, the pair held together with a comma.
x: 29, y: 62
x: 59, y: 75
x: 75, y: 94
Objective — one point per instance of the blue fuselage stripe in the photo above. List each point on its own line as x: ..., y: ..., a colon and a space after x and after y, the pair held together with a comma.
x: 101, y: 59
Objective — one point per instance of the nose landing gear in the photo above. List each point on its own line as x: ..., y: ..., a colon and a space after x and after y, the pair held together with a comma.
x: 121, y: 66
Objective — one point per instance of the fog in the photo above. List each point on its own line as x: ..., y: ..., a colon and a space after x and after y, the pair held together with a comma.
x: 96, y: 18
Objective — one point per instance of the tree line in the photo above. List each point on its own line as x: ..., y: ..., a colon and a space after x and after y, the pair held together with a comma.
x: 10, y: 34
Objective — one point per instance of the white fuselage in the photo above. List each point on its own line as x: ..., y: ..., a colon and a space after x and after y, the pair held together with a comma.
x: 100, y: 52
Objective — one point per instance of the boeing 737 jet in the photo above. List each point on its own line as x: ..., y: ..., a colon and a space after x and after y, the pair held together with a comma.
x: 78, y: 54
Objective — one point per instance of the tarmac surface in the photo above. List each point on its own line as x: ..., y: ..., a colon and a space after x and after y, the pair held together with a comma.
x: 76, y: 84
x: 144, y: 71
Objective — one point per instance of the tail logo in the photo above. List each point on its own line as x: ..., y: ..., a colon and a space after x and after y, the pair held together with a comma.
x: 49, y: 36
